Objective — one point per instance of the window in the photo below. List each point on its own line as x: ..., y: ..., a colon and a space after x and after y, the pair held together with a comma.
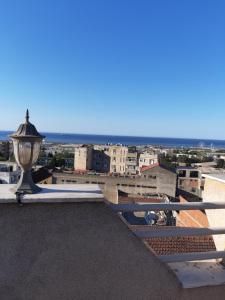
x: 181, y: 182
x: 194, y: 174
x: 182, y: 173
x: 113, y: 168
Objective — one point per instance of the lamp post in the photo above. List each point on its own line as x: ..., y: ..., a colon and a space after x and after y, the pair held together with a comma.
x: 26, y: 144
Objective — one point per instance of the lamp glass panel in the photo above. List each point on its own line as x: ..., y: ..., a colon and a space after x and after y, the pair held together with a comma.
x: 15, y: 148
x: 24, y: 152
x: 36, y: 151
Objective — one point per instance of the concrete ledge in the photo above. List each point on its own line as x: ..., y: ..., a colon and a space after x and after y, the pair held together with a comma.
x: 52, y: 193
x: 198, y: 274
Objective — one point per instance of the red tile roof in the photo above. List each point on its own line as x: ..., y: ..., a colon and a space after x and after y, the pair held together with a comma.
x: 179, y: 244
x: 144, y: 168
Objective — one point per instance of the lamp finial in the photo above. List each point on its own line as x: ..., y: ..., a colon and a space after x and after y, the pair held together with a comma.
x: 27, y: 116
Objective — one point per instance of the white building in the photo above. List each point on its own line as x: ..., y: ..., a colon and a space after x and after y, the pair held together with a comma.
x: 147, y: 159
x: 9, y: 173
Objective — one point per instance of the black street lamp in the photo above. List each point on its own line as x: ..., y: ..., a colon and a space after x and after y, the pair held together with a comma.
x: 26, y: 144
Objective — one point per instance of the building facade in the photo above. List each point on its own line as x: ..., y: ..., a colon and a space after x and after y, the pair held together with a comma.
x: 6, y: 149
x: 214, y: 191
x: 131, y: 167
x: 117, y: 155
x: 156, y: 180
x: 83, y: 158
x: 9, y: 173
x: 147, y: 159
x: 190, y: 180
x: 100, y: 161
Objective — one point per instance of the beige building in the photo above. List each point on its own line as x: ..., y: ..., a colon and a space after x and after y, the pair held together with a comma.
x: 117, y: 155
x: 214, y: 191
x: 83, y: 158
x: 154, y: 180
x: 102, y: 159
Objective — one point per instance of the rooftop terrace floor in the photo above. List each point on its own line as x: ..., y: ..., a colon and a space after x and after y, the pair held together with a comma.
x: 80, y: 251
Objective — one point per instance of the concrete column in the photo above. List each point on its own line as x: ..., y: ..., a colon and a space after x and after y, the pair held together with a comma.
x: 110, y: 192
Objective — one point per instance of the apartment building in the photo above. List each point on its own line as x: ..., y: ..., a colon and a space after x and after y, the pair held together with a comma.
x: 100, y: 160
x: 131, y: 163
x: 112, y: 159
x: 117, y: 155
x: 190, y: 180
x: 83, y: 158
x: 147, y: 159
x: 9, y: 173
x: 6, y: 149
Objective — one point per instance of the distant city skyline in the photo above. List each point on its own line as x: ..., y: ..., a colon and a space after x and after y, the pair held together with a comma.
x: 128, y: 68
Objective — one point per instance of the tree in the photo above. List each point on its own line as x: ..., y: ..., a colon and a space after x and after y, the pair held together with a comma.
x: 220, y: 163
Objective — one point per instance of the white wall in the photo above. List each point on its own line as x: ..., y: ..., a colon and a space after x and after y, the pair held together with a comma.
x: 214, y: 191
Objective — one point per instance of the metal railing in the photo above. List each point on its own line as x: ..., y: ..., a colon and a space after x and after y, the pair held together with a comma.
x: 177, y: 231
x: 167, y: 206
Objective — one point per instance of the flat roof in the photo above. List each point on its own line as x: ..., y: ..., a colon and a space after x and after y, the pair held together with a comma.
x: 218, y: 177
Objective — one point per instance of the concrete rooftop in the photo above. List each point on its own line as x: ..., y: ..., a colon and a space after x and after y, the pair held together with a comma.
x: 53, y: 193
x: 80, y: 251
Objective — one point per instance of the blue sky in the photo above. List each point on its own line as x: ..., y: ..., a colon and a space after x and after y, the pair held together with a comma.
x: 145, y: 68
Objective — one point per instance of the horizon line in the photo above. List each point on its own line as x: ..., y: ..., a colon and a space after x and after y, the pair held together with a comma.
x: 134, y: 136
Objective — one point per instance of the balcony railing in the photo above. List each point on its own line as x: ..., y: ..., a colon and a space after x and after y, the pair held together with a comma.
x: 177, y: 231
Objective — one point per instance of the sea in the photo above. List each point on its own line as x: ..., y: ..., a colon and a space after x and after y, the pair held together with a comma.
x: 72, y: 138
